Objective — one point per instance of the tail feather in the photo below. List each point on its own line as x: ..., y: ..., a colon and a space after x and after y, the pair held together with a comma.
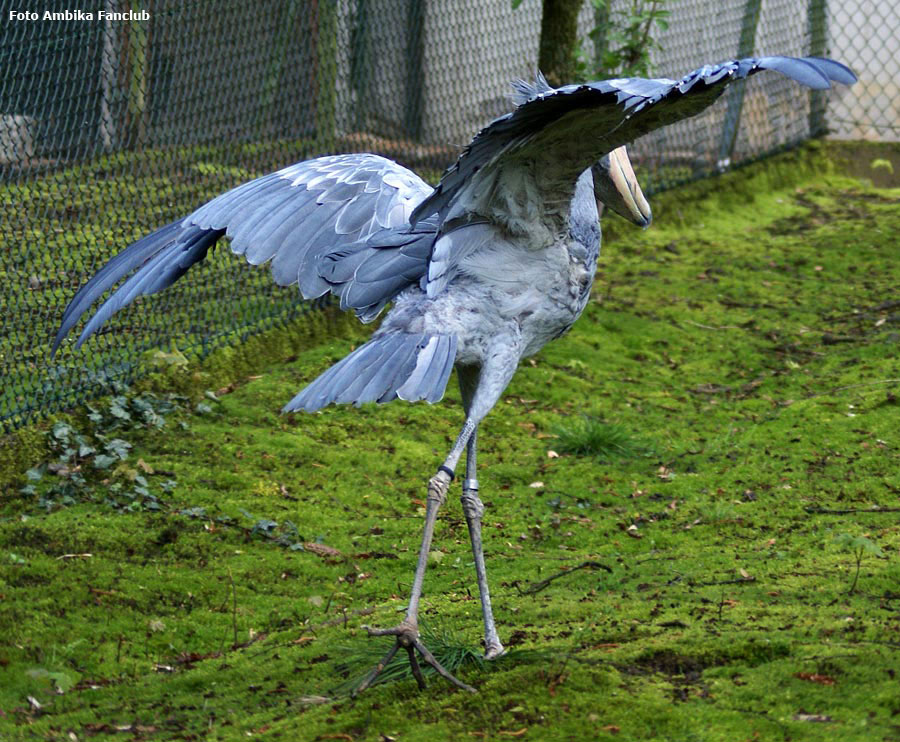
x: 390, y: 366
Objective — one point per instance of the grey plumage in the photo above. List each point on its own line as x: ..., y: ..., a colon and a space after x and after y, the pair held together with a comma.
x: 603, y: 116
x: 391, y: 365
x: 482, y: 270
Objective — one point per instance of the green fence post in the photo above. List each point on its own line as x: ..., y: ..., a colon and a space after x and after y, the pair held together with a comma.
x: 360, y: 64
x: 817, y: 22
x: 138, y: 72
x: 326, y: 75
x: 415, y: 72
x: 285, y: 34
x: 735, y: 94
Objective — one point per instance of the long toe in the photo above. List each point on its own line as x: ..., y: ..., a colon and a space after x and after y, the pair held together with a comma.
x: 407, y: 637
x: 494, y: 651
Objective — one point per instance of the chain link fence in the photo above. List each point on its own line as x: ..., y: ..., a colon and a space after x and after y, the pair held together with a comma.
x: 117, y: 119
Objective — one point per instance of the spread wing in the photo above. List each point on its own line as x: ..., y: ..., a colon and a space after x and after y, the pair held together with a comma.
x: 539, y: 150
x: 338, y: 224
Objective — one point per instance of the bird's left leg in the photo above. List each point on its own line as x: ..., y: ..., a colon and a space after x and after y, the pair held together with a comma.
x: 473, y: 509
x: 496, y: 372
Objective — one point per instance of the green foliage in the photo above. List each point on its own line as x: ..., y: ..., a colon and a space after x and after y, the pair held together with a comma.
x: 623, y: 40
x: 860, y: 546
x: 89, y: 465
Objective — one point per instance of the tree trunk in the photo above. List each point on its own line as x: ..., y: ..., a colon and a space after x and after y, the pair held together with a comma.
x: 559, y: 36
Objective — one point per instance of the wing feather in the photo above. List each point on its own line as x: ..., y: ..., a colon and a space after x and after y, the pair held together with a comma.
x: 291, y: 219
x: 558, y: 133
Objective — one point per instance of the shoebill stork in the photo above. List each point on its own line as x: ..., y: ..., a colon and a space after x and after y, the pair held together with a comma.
x: 480, y: 271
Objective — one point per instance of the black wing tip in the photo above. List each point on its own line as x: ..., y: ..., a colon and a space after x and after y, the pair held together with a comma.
x: 834, y: 70
x: 815, y: 72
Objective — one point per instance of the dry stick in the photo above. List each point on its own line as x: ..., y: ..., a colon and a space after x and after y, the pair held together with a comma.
x: 826, y: 511
x: 855, y: 386
x: 536, y: 587
x: 233, y: 607
x: 736, y: 581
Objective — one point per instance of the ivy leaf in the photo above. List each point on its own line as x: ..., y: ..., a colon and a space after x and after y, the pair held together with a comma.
x: 264, y: 525
x: 119, y: 448
x: 61, y: 431
x: 118, y: 408
x: 102, y: 461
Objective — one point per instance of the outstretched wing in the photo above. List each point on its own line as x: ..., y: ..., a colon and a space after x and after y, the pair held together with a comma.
x: 338, y: 224
x: 555, y: 134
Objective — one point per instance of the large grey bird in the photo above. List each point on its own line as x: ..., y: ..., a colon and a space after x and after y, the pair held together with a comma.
x: 482, y: 270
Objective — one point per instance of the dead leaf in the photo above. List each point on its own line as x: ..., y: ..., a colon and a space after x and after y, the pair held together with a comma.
x: 552, y: 455
x: 812, y: 717
x: 536, y: 485
x: 313, y: 700
x: 322, y: 550
x: 815, y: 678
x: 611, y: 728
x: 518, y: 733
x: 141, y: 464
x: 745, y: 574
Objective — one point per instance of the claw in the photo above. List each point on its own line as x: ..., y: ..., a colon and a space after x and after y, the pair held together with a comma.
x: 407, y: 637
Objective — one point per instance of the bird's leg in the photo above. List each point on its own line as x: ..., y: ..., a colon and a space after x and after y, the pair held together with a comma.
x: 473, y: 509
x: 407, y: 632
x: 481, y: 390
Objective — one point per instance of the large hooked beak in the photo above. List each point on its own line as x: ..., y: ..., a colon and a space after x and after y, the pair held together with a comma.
x: 616, y: 186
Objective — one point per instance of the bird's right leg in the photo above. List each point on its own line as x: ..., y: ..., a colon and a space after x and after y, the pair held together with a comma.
x: 407, y: 632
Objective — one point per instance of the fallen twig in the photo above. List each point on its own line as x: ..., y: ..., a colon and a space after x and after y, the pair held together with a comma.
x: 855, y: 386
x: 735, y: 581
x: 536, y: 587
x: 850, y: 511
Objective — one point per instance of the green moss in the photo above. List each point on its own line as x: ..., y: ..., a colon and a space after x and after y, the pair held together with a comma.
x: 750, y: 337
x: 18, y: 451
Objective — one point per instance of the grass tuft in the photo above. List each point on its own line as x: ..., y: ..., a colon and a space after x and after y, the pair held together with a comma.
x: 448, y: 648
x: 588, y: 435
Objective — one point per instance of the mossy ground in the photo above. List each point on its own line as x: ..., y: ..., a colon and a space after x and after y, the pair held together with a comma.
x: 749, y: 341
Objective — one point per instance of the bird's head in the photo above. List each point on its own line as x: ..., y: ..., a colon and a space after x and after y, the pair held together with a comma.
x: 617, y: 188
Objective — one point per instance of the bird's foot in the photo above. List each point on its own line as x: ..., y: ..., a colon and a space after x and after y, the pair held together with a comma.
x: 407, y: 637
x: 493, y: 650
